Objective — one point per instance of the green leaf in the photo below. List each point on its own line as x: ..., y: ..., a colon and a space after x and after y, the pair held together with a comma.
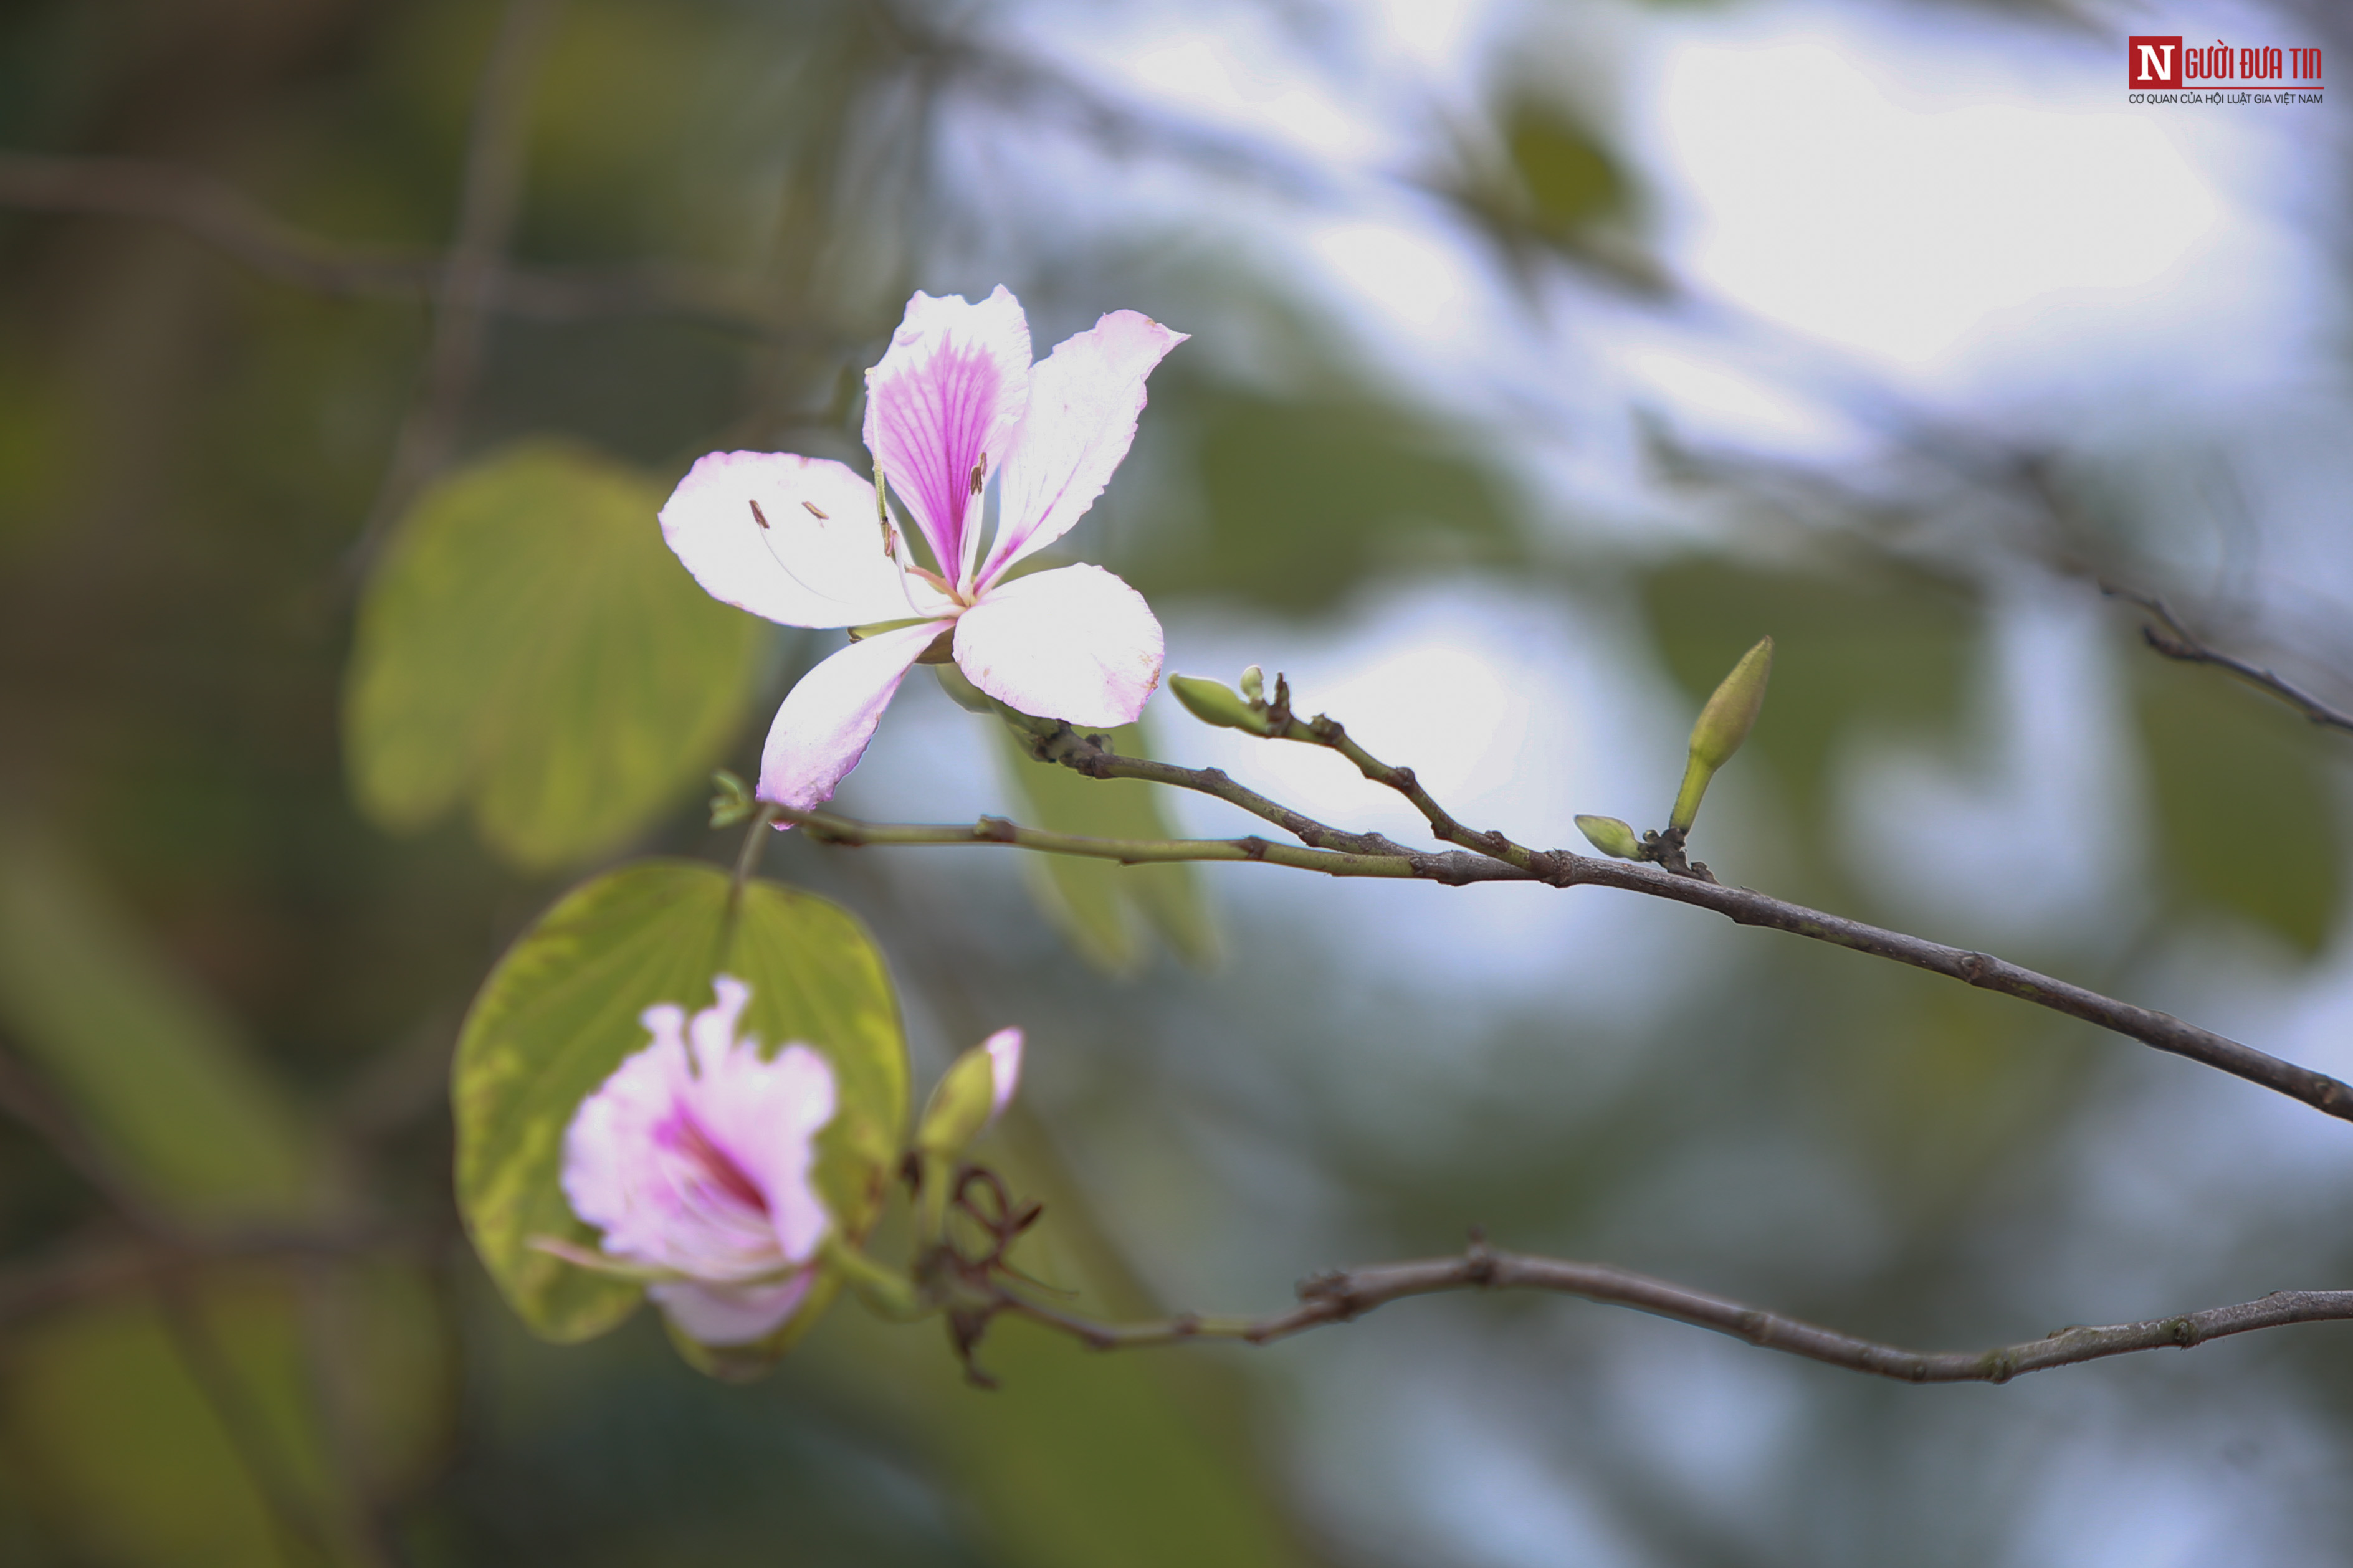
x: 1301, y: 500
x: 1570, y: 180
x: 1101, y: 906
x: 561, y: 1011
x: 197, y: 1442
x: 2246, y: 821
x: 529, y: 646
x: 153, y: 1072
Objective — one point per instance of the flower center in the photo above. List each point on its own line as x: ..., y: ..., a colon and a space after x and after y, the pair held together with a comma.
x: 715, y: 1164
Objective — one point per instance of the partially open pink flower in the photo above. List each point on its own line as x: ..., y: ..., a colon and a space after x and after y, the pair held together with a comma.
x: 694, y: 1157
x: 954, y: 407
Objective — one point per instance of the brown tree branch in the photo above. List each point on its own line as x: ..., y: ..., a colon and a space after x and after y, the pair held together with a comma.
x: 1499, y: 859
x: 2176, y: 641
x: 1336, y: 1298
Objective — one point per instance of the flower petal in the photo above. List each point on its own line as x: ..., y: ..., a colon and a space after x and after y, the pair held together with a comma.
x: 1083, y: 402
x: 627, y: 1171
x: 730, y: 1314
x: 826, y: 720
x: 789, y: 538
x: 1004, y: 1049
x: 1075, y: 644
x: 949, y: 392
x: 763, y: 1115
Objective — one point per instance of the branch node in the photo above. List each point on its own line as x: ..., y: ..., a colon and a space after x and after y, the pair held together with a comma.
x: 995, y: 830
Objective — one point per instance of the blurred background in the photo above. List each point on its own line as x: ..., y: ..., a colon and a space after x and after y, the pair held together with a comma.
x: 1543, y: 355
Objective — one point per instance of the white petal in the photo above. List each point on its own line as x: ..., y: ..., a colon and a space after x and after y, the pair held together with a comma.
x: 1083, y: 402
x: 1004, y: 1049
x: 947, y: 395
x: 731, y: 1314
x: 826, y: 720
x: 1075, y: 644
x: 789, y: 538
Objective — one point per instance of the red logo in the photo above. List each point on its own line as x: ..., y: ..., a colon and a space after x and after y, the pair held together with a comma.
x: 2153, y: 61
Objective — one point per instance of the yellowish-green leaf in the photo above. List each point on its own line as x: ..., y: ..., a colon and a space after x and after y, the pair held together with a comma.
x: 561, y: 1011
x: 1102, y: 907
x: 150, y: 1068
x: 529, y: 646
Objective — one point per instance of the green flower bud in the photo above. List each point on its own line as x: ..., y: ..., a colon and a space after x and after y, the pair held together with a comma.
x: 1254, y: 684
x: 1213, y: 703
x: 961, y: 690
x: 1610, y: 837
x: 970, y: 1094
x: 1722, y: 724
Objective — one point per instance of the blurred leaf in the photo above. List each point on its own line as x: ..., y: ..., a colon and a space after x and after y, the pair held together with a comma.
x: 2246, y: 818
x: 129, y: 1453
x: 1870, y: 644
x: 39, y: 449
x: 1101, y: 906
x: 149, y: 1067
x: 561, y: 1011
x: 1569, y: 177
x: 1078, y: 1459
x: 529, y: 645
x: 1306, y: 499
x: 1081, y: 1459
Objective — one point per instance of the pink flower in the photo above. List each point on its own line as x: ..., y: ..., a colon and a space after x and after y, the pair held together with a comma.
x: 694, y: 1157
x: 954, y: 407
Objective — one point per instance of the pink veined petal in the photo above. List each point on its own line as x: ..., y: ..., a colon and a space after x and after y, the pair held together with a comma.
x: 950, y: 389
x: 653, y: 1193
x: 1083, y: 402
x: 765, y: 1116
x: 730, y: 1314
x: 788, y: 538
x: 1075, y: 644
x: 826, y: 720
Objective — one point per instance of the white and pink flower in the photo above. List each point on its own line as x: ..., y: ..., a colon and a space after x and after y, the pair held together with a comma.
x: 954, y: 406
x: 694, y: 1159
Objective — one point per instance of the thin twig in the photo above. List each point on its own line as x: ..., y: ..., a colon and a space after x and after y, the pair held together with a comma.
x: 827, y: 829
x: 214, y: 211
x: 1499, y: 859
x: 489, y: 199
x: 2176, y: 641
x: 1339, y: 1296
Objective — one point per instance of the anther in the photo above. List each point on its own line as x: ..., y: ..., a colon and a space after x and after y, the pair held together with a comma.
x: 810, y: 506
x: 760, y: 517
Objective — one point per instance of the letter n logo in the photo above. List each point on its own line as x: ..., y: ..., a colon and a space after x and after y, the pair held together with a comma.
x: 2155, y: 61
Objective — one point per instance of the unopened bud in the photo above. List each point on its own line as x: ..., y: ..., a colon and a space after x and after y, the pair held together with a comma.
x: 1254, y: 684
x: 971, y: 1095
x: 1213, y: 703
x: 1722, y: 724
x: 1610, y: 837
x: 731, y: 800
x: 961, y: 690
